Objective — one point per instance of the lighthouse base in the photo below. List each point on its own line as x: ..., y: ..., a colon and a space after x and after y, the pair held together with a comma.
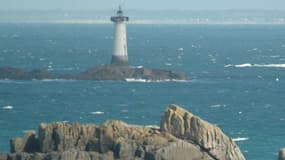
x: 119, y: 60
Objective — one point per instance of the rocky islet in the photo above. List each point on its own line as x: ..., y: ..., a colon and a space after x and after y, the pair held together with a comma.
x: 106, y: 72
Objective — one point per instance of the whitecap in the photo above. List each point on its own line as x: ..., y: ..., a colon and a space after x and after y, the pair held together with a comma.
x: 8, y: 107
x: 136, y: 80
x: 243, y: 65
x: 257, y: 65
x: 238, y: 139
x: 180, y: 49
x: 97, y: 113
x: 218, y: 106
x: 270, y: 65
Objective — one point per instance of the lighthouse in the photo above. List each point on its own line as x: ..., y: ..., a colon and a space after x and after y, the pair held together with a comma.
x: 120, y: 50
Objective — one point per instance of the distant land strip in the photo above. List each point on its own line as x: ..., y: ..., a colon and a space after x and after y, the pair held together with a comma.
x: 153, y: 22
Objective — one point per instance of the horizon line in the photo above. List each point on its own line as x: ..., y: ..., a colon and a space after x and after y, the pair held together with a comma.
x: 134, y: 9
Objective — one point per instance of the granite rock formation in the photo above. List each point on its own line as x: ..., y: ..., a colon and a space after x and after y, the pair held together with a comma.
x: 108, y: 72
x: 210, y: 138
x: 181, y: 136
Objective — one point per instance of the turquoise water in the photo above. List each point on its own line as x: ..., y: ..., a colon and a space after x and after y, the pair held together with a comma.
x: 245, y: 100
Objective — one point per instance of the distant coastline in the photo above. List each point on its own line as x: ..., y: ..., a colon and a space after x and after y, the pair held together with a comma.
x: 215, y: 17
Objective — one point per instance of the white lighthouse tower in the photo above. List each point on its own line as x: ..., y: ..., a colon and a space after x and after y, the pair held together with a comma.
x: 120, y: 52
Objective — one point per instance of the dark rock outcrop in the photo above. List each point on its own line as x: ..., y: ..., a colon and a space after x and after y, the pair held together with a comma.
x: 181, y: 136
x: 108, y: 72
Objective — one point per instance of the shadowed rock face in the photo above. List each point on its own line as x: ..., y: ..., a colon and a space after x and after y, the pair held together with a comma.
x: 176, y: 139
x: 282, y: 154
x: 110, y: 72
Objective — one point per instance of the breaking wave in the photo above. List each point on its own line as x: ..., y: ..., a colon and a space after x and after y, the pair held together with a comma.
x: 256, y: 65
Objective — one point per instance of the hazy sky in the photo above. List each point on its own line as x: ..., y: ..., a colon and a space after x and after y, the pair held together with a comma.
x: 141, y: 4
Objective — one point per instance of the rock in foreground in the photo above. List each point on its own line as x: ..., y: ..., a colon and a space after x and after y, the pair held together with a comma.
x: 282, y: 154
x: 181, y: 136
x: 108, y: 72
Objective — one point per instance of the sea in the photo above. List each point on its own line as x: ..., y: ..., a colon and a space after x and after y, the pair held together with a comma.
x: 236, y: 78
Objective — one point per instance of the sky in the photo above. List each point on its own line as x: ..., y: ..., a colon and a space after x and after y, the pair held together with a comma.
x: 142, y: 4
